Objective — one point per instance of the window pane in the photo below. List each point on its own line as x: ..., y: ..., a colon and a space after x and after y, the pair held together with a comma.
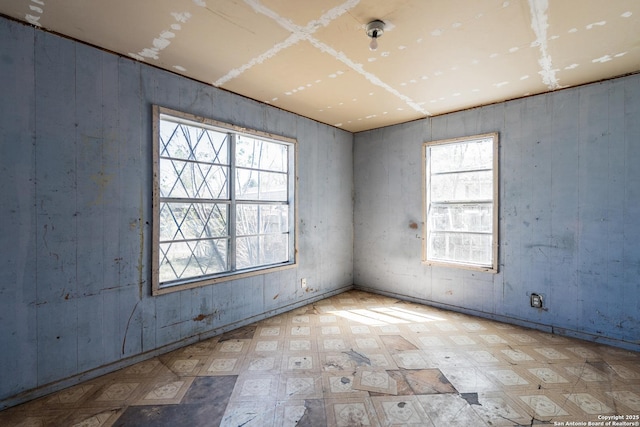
x: 462, y: 186
x: 474, y: 218
x: 192, y: 180
x: 460, y: 247
x: 274, y: 219
x: 182, y: 260
x: 182, y: 141
x: 247, y: 252
x: 254, y: 185
x: 254, y: 219
x: 474, y: 154
x: 258, y: 154
x: 172, y: 141
x: 274, y: 248
x: 273, y: 186
x: 181, y: 221
x: 261, y: 250
x: 246, y: 220
x: 213, y: 147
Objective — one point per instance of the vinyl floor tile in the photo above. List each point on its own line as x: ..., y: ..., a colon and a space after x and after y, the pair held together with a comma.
x: 357, y: 359
x: 249, y: 413
x: 449, y: 410
x: 400, y: 410
x: 375, y: 380
x: 498, y: 409
x: 300, y: 386
x: 92, y: 417
x: 427, y: 381
x: 301, y: 413
x: 169, y: 416
x: 396, y: 343
x: 349, y: 412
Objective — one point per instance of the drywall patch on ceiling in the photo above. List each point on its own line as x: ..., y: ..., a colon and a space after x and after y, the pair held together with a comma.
x: 539, y: 24
x: 607, y: 58
x: 291, y: 40
x: 163, y: 40
x: 305, y: 33
x: 340, y: 56
x: 297, y: 33
x: 596, y: 24
x: 35, y: 13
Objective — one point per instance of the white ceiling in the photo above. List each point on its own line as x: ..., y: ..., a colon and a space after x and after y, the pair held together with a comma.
x: 312, y: 57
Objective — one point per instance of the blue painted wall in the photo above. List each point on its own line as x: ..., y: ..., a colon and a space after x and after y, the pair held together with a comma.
x: 75, y: 205
x: 75, y: 211
x: 569, y: 212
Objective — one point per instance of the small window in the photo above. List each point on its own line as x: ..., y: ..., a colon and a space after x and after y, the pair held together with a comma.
x: 461, y: 202
x: 223, y: 201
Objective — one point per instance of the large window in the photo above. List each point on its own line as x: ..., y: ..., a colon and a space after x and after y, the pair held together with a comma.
x: 223, y: 201
x: 461, y: 202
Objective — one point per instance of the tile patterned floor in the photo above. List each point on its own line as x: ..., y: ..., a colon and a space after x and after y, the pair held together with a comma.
x: 358, y: 359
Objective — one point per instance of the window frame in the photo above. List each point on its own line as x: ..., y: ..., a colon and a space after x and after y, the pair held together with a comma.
x: 426, y: 189
x: 159, y: 288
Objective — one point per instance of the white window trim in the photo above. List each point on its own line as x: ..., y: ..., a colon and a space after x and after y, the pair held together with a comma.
x: 157, y: 289
x: 496, y: 207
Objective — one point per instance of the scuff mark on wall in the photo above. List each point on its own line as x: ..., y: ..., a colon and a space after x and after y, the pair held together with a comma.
x: 102, y: 180
x: 141, y: 253
x: 124, y: 340
x: 89, y: 147
x: 201, y: 317
x: 46, y: 245
x: 208, y: 318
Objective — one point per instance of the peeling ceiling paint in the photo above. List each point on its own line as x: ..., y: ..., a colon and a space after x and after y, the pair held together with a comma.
x: 312, y: 58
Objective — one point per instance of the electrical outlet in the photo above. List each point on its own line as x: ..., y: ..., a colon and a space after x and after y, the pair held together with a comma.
x: 536, y: 301
x: 303, y: 283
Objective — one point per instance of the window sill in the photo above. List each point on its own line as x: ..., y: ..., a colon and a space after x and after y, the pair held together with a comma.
x: 178, y: 286
x: 480, y: 268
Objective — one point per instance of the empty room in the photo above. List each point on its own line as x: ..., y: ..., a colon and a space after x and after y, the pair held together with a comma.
x: 320, y: 213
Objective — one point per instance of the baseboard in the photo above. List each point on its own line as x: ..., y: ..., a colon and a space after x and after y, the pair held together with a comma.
x: 511, y: 320
x: 46, y: 389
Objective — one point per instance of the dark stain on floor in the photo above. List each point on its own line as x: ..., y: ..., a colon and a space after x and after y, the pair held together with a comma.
x: 203, y: 405
x: 471, y: 398
x: 359, y: 358
x: 314, y: 414
x: 244, y: 333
